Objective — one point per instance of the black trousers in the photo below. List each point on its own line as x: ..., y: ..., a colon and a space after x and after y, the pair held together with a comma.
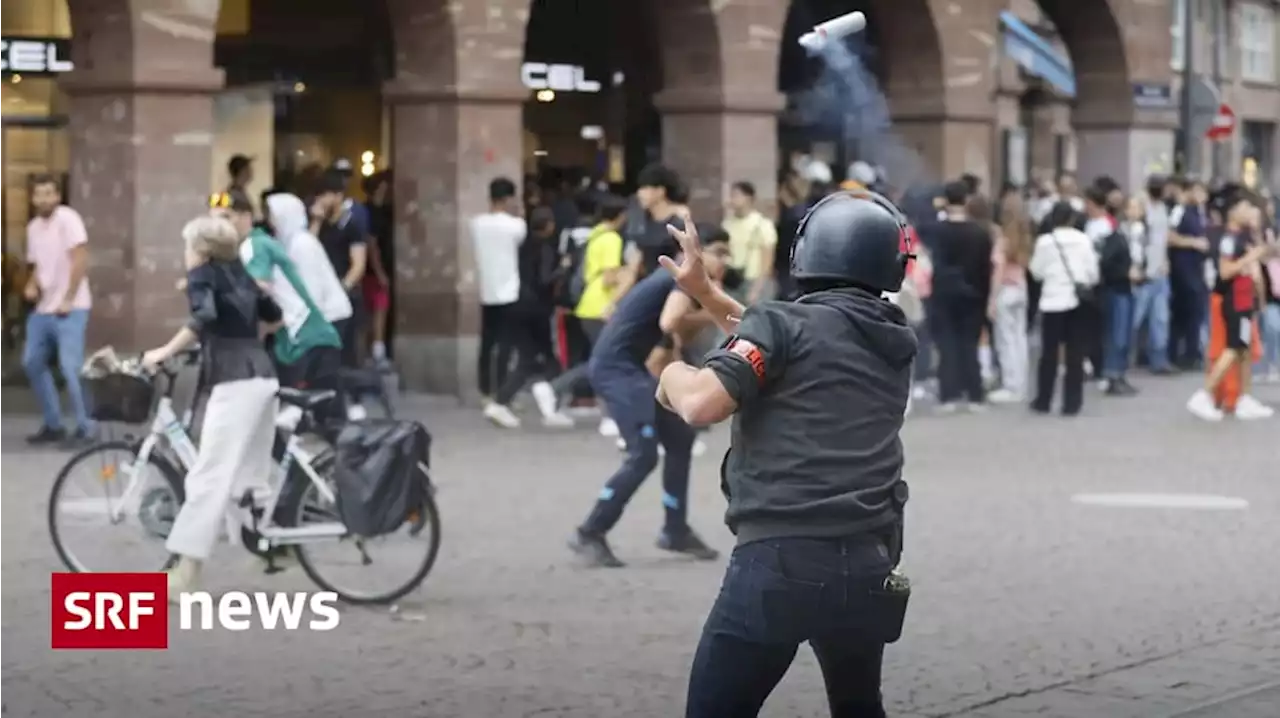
x: 496, y: 345
x: 319, y: 368
x: 529, y: 335
x: 1066, y: 333
x: 349, y: 330
x: 1188, y: 308
x: 956, y: 327
x: 778, y: 594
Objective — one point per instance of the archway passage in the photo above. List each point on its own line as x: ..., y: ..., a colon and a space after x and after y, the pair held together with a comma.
x: 297, y: 105
x: 590, y: 110
x: 1114, y: 44
x: 893, y: 98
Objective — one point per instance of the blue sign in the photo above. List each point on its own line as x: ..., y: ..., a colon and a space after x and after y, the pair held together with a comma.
x: 1036, y: 55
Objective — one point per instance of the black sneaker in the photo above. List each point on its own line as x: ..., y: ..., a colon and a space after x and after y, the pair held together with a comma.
x: 594, y: 549
x: 46, y: 436
x: 78, y: 440
x: 1127, y: 388
x: 687, y: 543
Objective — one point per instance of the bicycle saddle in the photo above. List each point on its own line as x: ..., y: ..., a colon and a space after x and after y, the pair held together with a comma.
x: 305, y: 398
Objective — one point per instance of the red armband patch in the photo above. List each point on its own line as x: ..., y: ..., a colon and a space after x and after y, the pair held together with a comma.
x: 751, y: 353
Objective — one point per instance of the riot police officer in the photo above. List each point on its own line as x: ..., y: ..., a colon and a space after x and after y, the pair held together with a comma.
x: 817, y: 389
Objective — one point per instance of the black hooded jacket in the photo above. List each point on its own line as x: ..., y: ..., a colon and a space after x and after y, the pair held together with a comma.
x: 822, y: 386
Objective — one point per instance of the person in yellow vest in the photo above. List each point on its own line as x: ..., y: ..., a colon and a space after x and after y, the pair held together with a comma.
x: 752, y: 239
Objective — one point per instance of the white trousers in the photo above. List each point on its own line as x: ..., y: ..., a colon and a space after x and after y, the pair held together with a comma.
x: 1010, y: 329
x: 235, y: 453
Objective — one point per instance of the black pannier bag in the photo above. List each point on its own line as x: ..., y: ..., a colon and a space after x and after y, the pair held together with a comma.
x: 379, y: 484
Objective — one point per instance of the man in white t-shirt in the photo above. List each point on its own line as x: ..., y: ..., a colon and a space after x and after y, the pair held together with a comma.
x: 496, y: 236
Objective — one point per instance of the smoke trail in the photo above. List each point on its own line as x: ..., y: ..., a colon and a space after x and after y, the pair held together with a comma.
x: 846, y: 99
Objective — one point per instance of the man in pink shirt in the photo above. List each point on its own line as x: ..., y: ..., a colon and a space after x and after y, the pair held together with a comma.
x: 58, y: 252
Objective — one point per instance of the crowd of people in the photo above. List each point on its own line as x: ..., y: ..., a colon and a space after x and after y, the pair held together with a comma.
x: 1095, y: 282
x: 1100, y: 280
x: 326, y: 263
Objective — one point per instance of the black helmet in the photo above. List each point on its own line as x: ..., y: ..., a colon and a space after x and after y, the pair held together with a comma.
x: 854, y: 237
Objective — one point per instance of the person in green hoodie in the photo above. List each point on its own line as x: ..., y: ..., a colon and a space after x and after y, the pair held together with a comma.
x: 602, y: 266
x: 308, y: 350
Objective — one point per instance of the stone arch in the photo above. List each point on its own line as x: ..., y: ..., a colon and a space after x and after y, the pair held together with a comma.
x: 1112, y: 45
x: 1091, y: 31
x: 902, y: 48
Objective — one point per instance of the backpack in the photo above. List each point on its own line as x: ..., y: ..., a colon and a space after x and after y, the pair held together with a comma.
x: 570, y: 282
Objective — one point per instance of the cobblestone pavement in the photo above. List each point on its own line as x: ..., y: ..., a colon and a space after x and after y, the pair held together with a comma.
x: 1026, y: 603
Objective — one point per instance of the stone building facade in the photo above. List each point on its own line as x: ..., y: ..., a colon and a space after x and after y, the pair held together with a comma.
x: 141, y: 98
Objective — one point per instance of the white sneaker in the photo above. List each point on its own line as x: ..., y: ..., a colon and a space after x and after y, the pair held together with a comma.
x: 608, y: 428
x: 950, y: 407
x: 699, y: 447
x: 621, y: 443
x: 974, y: 407
x: 501, y: 415
x: 1004, y: 396
x: 919, y: 392
x: 545, y: 397
x: 1250, y: 409
x: 558, y: 420
x: 182, y: 577
x: 1201, y: 404
x: 356, y: 412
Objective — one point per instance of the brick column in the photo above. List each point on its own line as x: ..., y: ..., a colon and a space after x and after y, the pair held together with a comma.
x: 714, y: 141
x: 446, y: 146
x: 141, y: 112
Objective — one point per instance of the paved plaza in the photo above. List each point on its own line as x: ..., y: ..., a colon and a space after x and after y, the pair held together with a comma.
x: 1028, y: 602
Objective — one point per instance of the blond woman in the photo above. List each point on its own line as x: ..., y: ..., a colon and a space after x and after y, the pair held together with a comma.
x: 228, y: 310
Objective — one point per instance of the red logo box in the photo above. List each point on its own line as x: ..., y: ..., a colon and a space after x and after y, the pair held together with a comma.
x: 110, y: 610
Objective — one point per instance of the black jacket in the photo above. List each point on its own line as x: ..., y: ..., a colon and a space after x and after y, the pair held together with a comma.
x: 821, y: 386
x: 226, y: 306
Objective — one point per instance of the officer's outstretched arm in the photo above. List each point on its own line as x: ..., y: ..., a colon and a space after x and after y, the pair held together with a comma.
x: 734, y: 375
x: 695, y: 395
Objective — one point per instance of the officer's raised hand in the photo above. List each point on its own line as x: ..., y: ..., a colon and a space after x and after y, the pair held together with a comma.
x: 691, y: 271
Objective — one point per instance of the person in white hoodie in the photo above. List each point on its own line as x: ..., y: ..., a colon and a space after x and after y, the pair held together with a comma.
x: 304, y: 263
x: 289, y: 221
x: 1066, y: 263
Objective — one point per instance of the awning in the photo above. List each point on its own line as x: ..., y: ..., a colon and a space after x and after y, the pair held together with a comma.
x: 1035, y: 55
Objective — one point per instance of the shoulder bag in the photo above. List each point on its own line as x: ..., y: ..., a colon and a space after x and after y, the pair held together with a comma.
x: 1086, y: 294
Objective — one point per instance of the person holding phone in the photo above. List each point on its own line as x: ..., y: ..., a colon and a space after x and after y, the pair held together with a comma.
x: 1237, y: 260
x: 57, y: 249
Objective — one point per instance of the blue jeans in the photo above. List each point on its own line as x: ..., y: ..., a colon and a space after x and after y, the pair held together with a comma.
x: 1115, y: 361
x: 44, y: 333
x: 779, y: 593
x: 1271, y: 336
x: 627, y: 391
x: 1151, y: 306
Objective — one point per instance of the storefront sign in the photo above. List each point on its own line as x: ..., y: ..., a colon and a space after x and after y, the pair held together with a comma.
x: 560, y: 78
x: 35, y: 55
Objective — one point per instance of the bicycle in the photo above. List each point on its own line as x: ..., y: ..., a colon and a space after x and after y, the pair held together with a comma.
x: 297, y: 515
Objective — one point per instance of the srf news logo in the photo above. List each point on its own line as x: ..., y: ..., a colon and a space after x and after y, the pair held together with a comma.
x: 131, y: 611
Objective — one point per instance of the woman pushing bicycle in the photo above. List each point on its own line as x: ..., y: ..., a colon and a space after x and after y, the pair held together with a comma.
x: 227, y: 312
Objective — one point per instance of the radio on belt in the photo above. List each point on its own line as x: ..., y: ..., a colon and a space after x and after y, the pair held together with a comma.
x: 832, y: 30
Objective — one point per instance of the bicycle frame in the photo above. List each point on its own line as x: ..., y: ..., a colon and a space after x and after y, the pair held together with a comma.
x: 167, y: 428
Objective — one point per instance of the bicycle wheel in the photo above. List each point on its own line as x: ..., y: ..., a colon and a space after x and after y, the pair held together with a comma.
x: 119, y: 519
x: 351, y: 566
